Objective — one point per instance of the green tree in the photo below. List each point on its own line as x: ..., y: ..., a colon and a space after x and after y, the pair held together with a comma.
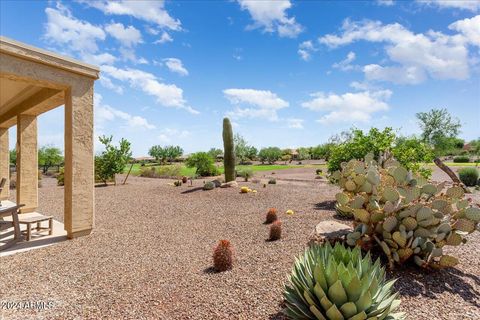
x: 159, y: 153
x: 214, y: 153
x: 173, y: 152
x: 112, y: 160
x: 48, y: 157
x: 270, y: 154
x: 13, y: 157
x: 303, y: 154
x: 203, y: 162
x: 437, y: 126
x: 243, y: 151
x: 359, y: 144
x: 411, y: 153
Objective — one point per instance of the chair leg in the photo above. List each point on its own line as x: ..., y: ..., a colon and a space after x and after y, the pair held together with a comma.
x: 29, y: 232
x: 50, y: 226
x: 38, y: 226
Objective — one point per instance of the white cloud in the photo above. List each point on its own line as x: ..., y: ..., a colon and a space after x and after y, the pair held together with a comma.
x: 146, y: 10
x: 164, y: 38
x: 349, y: 106
x: 99, y: 59
x: 167, y: 135
x: 104, y: 113
x: 469, y: 28
x: 168, y: 95
x: 107, y: 83
x: 175, y: 65
x: 262, y: 103
x: 295, y: 123
x: 386, y: 3
x: 345, y: 65
x: 472, y: 5
x: 64, y: 29
x: 128, y: 36
x: 305, y: 50
x: 272, y: 17
x: 432, y: 54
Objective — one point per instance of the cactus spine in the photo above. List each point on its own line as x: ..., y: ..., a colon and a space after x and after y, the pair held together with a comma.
x: 229, y: 151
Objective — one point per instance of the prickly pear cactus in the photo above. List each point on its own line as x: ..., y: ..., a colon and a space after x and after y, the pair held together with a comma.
x: 407, y: 217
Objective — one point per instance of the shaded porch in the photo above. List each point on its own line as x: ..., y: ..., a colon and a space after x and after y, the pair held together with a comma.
x: 34, y: 81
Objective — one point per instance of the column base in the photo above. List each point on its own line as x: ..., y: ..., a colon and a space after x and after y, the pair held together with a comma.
x: 76, y: 234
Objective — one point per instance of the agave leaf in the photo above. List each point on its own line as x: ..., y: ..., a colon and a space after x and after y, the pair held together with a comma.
x: 359, y: 316
x: 337, y: 294
x: 354, y: 289
x: 334, y: 314
x: 317, y: 313
x: 364, y: 302
x: 325, y: 303
x: 348, y: 309
x: 319, y: 275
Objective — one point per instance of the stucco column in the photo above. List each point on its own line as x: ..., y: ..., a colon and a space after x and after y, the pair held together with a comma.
x: 27, y: 162
x: 4, y: 163
x: 79, y: 152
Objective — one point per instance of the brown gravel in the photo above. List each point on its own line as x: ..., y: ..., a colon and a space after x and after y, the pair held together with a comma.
x: 150, y: 257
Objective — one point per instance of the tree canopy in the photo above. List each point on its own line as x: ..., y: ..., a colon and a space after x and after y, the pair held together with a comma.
x: 112, y: 160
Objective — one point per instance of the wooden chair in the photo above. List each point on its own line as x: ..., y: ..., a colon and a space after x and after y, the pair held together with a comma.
x: 11, y: 211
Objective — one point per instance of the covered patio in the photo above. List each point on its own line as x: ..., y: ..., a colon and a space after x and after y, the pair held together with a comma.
x: 34, y: 81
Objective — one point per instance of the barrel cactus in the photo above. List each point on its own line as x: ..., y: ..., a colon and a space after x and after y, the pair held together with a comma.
x: 337, y: 283
x: 229, y: 151
x: 406, y: 216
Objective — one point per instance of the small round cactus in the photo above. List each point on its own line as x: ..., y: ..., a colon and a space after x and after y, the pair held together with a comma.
x: 275, y: 230
x: 208, y: 186
x: 271, y: 216
x: 223, y: 256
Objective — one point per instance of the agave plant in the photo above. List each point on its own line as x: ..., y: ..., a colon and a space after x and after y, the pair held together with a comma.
x: 337, y: 283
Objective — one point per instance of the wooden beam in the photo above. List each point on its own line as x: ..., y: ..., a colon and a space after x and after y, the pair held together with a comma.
x: 24, y: 106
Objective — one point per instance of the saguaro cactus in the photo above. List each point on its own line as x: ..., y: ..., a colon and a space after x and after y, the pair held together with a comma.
x: 229, y: 152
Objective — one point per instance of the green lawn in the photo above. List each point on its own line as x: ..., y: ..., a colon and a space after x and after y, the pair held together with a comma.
x: 191, y: 171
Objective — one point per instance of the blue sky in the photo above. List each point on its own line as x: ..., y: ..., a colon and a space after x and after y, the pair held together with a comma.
x: 287, y: 73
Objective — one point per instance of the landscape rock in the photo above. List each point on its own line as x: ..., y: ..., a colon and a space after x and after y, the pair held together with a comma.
x: 230, y: 184
x: 217, y: 183
x: 329, y: 230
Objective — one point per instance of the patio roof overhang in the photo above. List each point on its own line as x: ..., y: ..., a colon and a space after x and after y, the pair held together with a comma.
x: 34, y: 81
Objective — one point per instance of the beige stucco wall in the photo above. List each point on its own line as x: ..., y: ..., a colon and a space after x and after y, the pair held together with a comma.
x: 4, y: 162
x: 27, y: 163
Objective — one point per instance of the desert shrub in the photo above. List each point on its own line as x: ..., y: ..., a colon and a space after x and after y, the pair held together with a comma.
x: 148, y: 172
x: 61, y: 177
x: 469, y: 176
x: 404, y: 215
x: 319, y: 171
x: 271, y: 216
x: 461, y: 159
x: 245, y: 173
x: 223, y: 256
x: 170, y: 171
x: 203, y: 163
x: 275, y: 231
x: 272, y: 181
x: 337, y: 283
x: 209, y: 186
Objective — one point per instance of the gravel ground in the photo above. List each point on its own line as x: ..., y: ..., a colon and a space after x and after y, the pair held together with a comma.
x: 149, y: 257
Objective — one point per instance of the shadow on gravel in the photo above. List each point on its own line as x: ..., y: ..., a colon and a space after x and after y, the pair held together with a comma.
x: 192, y: 190
x: 277, y: 316
x: 328, y: 205
x: 412, y: 282
x: 210, y: 270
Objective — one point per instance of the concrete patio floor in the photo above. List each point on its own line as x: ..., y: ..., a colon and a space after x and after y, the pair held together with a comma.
x: 38, y: 240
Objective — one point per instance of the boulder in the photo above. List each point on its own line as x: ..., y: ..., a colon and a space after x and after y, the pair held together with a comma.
x: 229, y: 184
x: 329, y: 230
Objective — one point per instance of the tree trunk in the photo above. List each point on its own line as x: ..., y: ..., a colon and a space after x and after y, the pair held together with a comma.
x: 450, y: 173
x: 128, y: 174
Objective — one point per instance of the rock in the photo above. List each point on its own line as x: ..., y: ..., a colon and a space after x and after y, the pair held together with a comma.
x: 217, y: 183
x: 329, y: 230
x: 229, y: 184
